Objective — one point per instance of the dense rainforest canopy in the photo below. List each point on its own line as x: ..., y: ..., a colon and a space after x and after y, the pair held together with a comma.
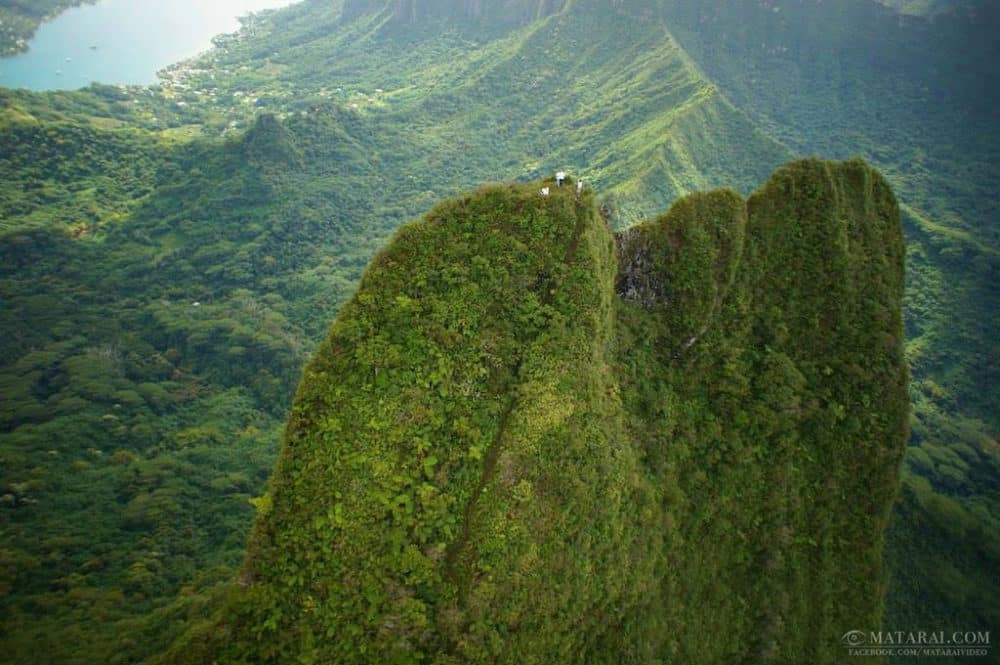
x: 170, y: 257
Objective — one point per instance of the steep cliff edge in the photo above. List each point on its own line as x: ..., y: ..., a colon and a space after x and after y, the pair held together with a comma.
x: 521, y: 445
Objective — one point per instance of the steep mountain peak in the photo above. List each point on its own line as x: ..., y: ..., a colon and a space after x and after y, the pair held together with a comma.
x: 495, y: 458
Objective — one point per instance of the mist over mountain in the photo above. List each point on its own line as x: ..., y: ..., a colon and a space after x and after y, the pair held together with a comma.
x: 172, y: 257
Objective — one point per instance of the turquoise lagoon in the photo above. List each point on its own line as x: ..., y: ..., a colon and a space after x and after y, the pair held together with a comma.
x: 122, y: 41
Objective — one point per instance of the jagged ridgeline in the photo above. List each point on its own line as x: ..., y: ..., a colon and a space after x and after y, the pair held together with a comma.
x: 520, y: 445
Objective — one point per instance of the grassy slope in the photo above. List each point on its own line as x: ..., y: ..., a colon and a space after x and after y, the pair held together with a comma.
x: 492, y: 458
x: 605, y: 94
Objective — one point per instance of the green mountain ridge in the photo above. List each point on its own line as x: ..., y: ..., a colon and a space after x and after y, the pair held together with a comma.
x: 918, y: 101
x: 172, y: 256
x: 494, y: 458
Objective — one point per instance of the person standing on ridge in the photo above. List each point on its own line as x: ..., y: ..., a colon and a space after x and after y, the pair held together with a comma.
x: 579, y: 187
x: 560, y: 177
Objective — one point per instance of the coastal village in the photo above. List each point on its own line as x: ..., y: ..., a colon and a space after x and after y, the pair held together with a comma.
x: 210, y: 92
x: 208, y: 83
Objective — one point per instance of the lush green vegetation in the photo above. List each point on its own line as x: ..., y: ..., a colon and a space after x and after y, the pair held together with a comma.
x: 132, y: 208
x: 160, y: 298
x: 913, y: 104
x: 20, y: 18
x: 136, y: 425
x: 493, y: 458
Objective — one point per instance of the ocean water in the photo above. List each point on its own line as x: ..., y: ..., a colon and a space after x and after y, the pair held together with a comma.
x: 122, y: 41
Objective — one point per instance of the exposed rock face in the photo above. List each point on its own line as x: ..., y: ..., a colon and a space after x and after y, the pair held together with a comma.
x: 653, y: 256
x: 636, y: 277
